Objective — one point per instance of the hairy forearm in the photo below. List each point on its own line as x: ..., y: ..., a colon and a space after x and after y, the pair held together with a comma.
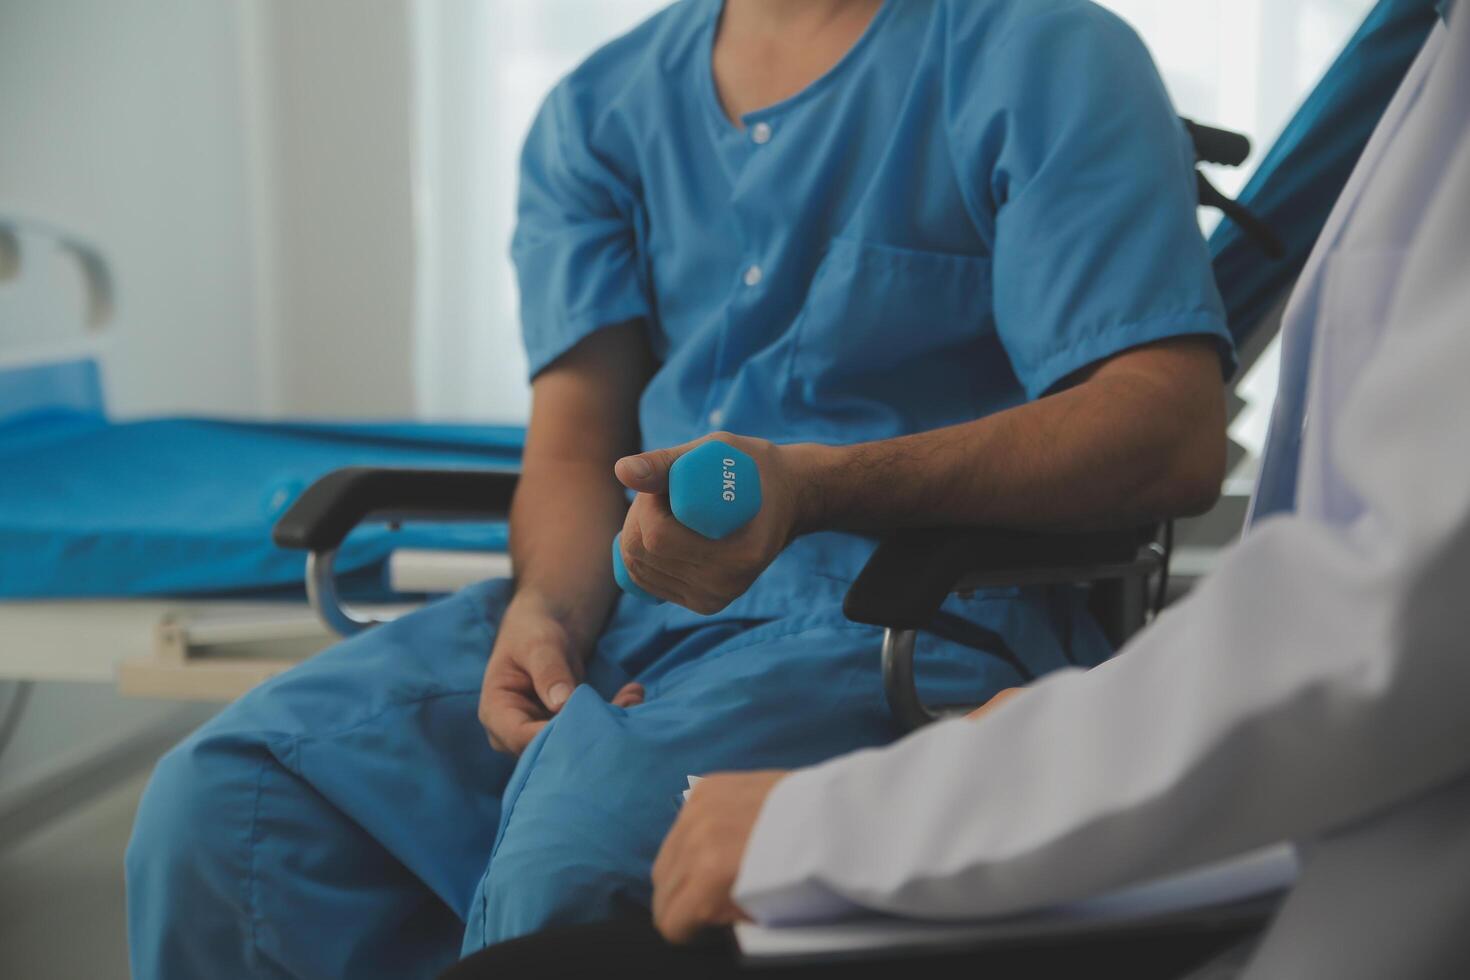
x: 1123, y: 447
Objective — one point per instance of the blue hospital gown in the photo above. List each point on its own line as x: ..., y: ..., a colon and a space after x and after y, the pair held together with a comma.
x: 981, y: 199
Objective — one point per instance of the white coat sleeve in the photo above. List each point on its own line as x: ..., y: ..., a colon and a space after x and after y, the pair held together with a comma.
x: 1320, y: 675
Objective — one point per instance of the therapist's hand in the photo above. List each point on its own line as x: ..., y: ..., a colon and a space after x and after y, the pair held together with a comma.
x: 700, y: 858
x: 681, y: 566
x: 996, y: 700
x: 536, y: 663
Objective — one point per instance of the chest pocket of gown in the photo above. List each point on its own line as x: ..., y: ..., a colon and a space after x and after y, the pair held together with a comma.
x: 888, y: 340
x: 1358, y: 289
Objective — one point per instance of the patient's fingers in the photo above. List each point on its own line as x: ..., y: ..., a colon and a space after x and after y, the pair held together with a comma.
x: 531, y: 672
x: 629, y: 695
x: 674, y: 563
x: 512, y: 719
x: 524, y: 734
x: 649, y: 472
x: 668, y: 585
x: 651, y: 530
x: 515, y: 719
x: 553, y: 673
x: 664, y: 536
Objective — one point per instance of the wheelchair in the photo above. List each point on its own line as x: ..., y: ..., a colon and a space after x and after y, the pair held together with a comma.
x: 904, y: 582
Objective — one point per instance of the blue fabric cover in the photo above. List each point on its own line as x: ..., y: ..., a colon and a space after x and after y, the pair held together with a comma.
x: 1300, y: 180
x: 186, y: 506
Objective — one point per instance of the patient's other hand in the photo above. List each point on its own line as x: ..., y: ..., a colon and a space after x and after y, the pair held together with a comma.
x: 533, y: 668
x: 700, y: 858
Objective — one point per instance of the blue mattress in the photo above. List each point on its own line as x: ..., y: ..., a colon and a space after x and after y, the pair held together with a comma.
x: 184, y: 507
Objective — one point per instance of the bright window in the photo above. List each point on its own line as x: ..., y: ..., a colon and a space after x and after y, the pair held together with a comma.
x: 1242, y: 64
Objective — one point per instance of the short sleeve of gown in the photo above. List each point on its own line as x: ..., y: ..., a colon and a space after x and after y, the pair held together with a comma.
x: 1069, y: 146
x: 575, y: 247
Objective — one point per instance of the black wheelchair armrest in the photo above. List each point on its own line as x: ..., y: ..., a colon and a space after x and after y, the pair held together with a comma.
x: 331, y: 507
x: 907, y: 578
x: 1221, y: 146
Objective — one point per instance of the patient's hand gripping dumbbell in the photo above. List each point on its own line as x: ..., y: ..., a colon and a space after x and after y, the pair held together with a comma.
x: 714, y: 490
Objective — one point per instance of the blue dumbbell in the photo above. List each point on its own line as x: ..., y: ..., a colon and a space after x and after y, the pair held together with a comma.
x: 714, y: 490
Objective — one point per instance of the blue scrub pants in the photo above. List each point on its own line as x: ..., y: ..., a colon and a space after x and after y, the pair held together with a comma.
x: 348, y: 818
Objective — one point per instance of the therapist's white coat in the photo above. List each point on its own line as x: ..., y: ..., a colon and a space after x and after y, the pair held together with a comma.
x: 1316, y: 688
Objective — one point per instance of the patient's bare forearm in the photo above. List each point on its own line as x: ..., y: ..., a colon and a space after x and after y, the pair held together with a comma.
x: 1142, y: 438
x: 564, y: 513
x: 569, y: 504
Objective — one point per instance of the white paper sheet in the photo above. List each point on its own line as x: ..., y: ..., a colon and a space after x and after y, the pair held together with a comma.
x: 1255, y: 875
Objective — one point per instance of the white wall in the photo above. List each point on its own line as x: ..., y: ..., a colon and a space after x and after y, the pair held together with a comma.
x: 338, y: 74
x: 121, y: 120
x: 246, y: 168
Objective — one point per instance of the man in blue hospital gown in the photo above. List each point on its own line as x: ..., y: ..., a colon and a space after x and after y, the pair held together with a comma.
x: 933, y: 262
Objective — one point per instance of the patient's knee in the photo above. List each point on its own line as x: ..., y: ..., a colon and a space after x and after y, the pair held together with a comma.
x: 193, y: 822
x: 586, y: 814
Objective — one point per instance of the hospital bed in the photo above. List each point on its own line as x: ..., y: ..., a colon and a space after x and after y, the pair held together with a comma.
x: 138, y: 552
